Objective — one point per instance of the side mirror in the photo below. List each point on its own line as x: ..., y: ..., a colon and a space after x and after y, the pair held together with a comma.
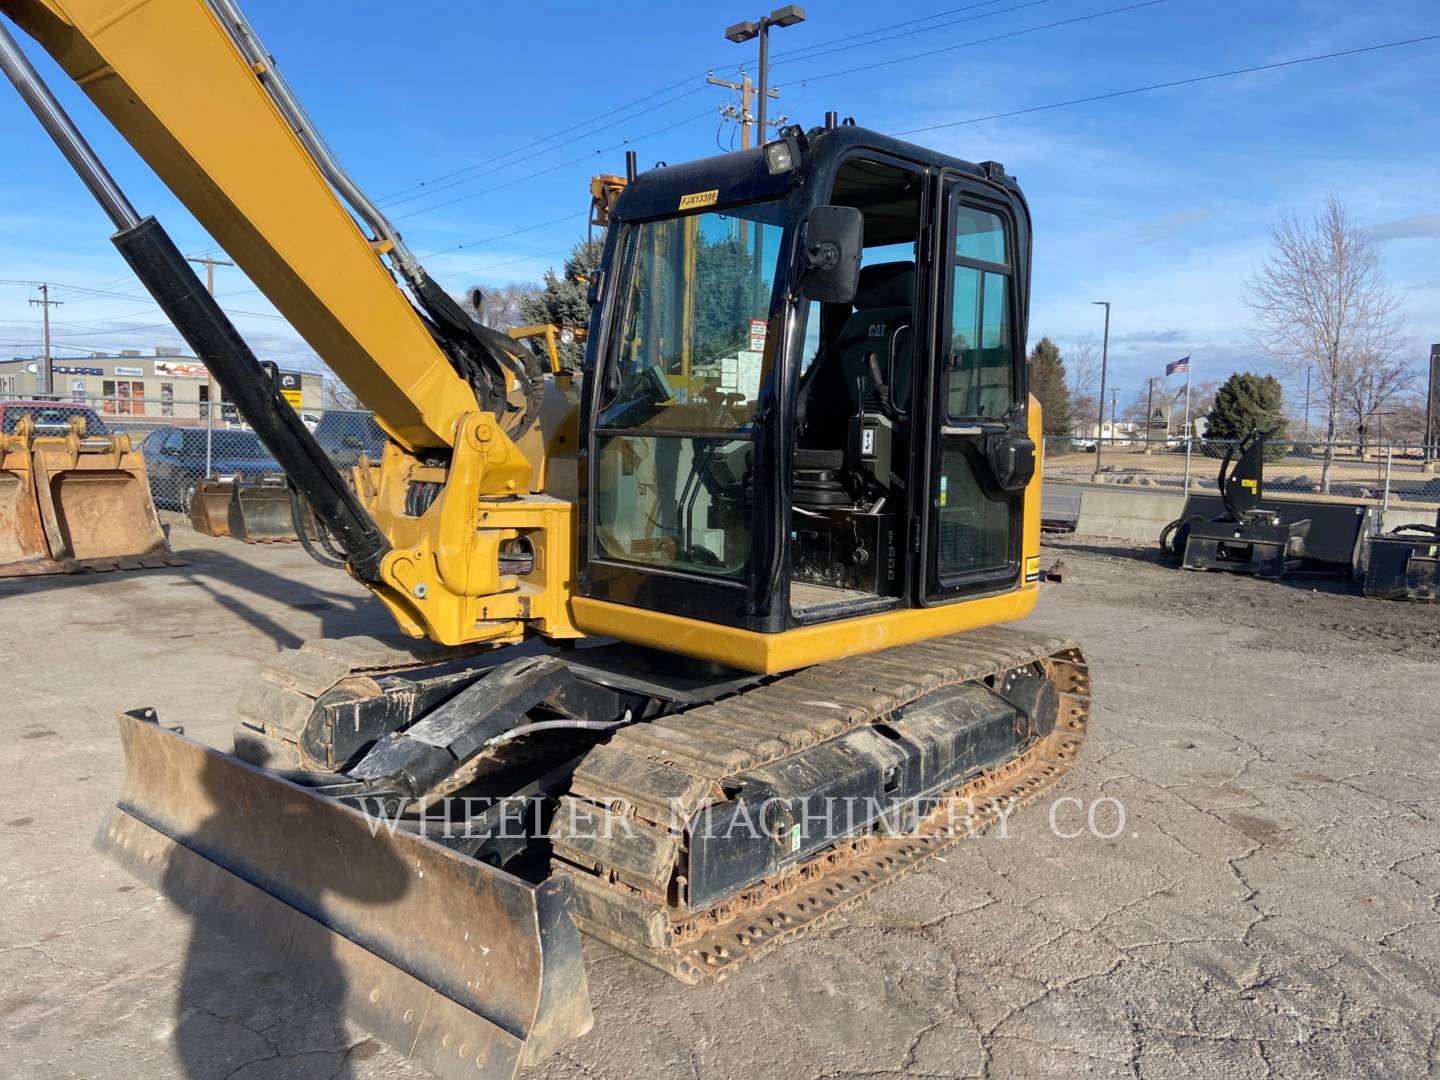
x: 833, y: 236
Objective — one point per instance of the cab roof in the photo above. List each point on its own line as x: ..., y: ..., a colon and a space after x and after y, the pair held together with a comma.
x: 742, y: 175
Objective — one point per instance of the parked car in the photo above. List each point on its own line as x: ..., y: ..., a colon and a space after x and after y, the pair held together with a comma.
x: 50, y: 417
x: 175, y: 460
x: 344, y: 436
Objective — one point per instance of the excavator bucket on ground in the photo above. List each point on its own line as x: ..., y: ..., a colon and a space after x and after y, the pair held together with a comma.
x: 75, y: 502
x: 261, y: 514
x: 210, y: 507
x: 465, y: 967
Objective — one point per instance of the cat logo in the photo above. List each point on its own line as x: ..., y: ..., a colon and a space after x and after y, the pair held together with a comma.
x: 877, y: 329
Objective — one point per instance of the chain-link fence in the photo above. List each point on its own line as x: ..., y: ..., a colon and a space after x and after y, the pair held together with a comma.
x: 185, y: 443
x: 1384, y: 474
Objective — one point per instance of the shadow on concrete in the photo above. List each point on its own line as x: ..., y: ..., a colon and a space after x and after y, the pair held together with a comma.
x: 221, y: 576
x: 233, y: 1017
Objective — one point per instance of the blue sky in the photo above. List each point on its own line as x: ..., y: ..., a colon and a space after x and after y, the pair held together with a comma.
x: 1159, y: 202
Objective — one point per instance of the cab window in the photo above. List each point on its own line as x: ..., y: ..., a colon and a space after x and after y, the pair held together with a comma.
x: 979, y: 377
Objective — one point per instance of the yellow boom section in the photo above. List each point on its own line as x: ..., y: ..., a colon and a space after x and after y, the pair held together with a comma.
x: 168, y: 76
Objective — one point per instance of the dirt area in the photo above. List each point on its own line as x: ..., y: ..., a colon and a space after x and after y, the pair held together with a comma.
x: 1240, y: 878
x: 1315, y: 615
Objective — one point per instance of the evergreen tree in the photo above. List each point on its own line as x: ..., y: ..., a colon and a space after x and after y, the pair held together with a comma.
x: 563, y: 301
x: 724, y: 303
x: 1050, y: 386
x: 1247, y: 401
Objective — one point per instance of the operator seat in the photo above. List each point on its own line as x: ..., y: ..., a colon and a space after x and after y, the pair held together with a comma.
x: 876, y: 337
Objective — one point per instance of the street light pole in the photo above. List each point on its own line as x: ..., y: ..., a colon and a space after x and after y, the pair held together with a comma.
x: 1104, y: 366
x: 788, y: 15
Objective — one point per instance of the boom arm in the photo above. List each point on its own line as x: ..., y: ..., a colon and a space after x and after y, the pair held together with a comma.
x: 172, y: 78
x: 453, y: 529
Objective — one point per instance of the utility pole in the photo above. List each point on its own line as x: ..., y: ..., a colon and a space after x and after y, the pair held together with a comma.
x: 45, y: 304
x: 1104, y: 366
x: 746, y: 116
x: 209, y: 263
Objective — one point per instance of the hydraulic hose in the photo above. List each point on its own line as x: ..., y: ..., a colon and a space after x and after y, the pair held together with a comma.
x: 297, y: 519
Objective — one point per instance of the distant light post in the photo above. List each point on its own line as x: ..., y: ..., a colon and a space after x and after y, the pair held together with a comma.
x: 1104, y: 365
x: 788, y: 15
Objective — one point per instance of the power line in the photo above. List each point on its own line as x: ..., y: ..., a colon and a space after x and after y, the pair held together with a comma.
x: 458, y: 177
x: 888, y: 26
x: 912, y: 33
x: 1172, y: 83
x: 562, y: 165
x: 986, y: 40
x: 125, y: 296
x: 553, y: 135
x: 438, y: 187
x: 507, y: 262
x: 504, y: 236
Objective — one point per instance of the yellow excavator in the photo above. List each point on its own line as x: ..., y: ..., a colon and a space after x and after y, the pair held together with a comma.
x: 694, y: 648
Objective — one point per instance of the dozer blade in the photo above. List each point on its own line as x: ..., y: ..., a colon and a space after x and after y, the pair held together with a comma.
x: 260, y: 514
x: 90, y: 500
x: 210, y: 507
x: 466, y: 968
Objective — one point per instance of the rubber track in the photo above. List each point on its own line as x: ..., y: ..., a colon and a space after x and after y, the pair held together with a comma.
x: 709, y: 743
x: 278, y: 701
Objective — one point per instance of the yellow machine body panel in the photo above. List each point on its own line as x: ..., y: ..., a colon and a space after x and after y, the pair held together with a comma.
x: 803, y: 646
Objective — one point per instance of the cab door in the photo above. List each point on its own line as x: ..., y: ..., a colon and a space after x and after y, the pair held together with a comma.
x: 980, y: 455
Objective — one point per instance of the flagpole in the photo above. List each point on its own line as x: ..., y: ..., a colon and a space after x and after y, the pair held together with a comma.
x: 1188, y: 437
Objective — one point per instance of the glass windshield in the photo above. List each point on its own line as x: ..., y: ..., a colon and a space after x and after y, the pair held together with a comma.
x: 690, y: 345
x: 679, y: 388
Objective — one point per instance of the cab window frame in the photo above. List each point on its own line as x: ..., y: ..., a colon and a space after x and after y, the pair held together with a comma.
x: 607, y: 359
x: 963, y: 198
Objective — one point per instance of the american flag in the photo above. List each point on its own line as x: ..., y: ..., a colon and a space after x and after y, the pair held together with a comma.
x: 1179, y: 367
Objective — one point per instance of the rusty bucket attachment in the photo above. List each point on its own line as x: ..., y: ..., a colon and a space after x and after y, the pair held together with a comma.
x: 466, y: 968
x: 75, y: 502
x: 23, y: 549
x: 210, y: 507
x: 260, y: 513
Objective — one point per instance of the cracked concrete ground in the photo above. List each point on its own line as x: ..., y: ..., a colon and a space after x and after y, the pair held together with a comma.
x: 1258, y: 895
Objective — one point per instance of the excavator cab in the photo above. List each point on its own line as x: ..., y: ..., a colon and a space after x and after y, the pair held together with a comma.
x: 805, y: 399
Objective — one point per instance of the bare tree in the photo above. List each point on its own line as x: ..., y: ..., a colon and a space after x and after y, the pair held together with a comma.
x: 337, y: 395
x: 503, y: 303
x: 1082, y: 364
x: 1375, y: 390
x: 1405, y: 422
x: 1322, y: 302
